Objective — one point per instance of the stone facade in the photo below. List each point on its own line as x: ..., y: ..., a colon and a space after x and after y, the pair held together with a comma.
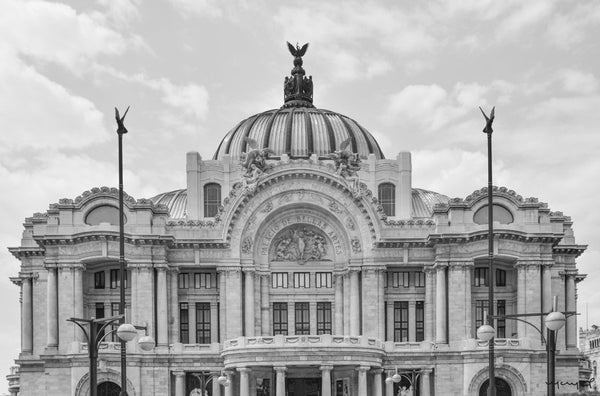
x: 303, y: 273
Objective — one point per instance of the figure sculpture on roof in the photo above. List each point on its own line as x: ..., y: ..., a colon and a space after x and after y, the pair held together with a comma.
x: 347, y: 164
x: 254, y: 163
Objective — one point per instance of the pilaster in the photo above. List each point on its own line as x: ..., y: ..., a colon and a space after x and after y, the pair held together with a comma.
x: 441, y: 314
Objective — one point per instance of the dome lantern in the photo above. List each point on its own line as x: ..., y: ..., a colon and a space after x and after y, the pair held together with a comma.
x: 298, y: 89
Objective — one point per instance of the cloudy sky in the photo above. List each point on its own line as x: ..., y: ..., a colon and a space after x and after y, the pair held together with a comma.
x: 413, y: 73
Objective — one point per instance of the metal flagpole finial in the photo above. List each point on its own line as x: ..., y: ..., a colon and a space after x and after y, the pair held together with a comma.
x: 120, y: 126
x: 488, y: 120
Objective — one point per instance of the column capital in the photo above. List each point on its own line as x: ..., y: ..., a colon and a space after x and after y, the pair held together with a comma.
x: 426, y: 371
x: 243, y: 370
x: 230, y: 270
x: 280, y: 369
x: 428, y: 269
x: 377, y: 371
x: 354, y: 270
x: 179, y: 373
x: 363, y: 369
x: 547, y: 264
x: 326, y: 368
x: 440, y: 266
x: 249, y: 270
x: 161, y: 267
x: 461, y: 265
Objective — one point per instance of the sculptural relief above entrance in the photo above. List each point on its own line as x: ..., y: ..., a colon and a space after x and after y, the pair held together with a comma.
x: 300, y: 243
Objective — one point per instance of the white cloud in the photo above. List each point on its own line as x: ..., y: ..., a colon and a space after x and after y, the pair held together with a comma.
x: 573, y: 24
x: 55, y: 32
x: 38, y: 112
x: 578, y: 82
x: 208, y: 8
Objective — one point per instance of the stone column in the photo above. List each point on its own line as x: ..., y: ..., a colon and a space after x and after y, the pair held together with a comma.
x: 521, y: 298
x: 412, y: 316
x: 78, y: 298
x: 389, y: 387
x: 440, y: 304
x: 179, y: 383
x: 326, y: 380
x: 429, y: 298
x: 52, y: 309
x: 26, y: 315
x: 162, y: 319
x: 174, y: 303
x: 468, y: 325
x: 214, y: 322
x: 362, y: 380
x: 145, y: 297
x: 547, y: 286
x: 534, y: 300
x: 381, y: 302
x: 354, y: 308
x: 346, y: 292
x: 390, y: 321
x: 370, y: 300
x: 425, y: 382
x: 216, y: 388
x: 280, y: 381
x: 265, y: 307
x: 222, y: 304
x: 66, y: 330
x: 244, y: 381
x: 249, y: 302
x: 571, y: 326
x: 229, y: 389
x: 460, y: 293
x: 338, y: 283
x: 377, y: 382
x: 234, y: 303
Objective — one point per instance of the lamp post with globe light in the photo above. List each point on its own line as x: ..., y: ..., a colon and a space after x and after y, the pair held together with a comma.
x: 95, y: 335
x: 205, y: 377
x: 554, y: 321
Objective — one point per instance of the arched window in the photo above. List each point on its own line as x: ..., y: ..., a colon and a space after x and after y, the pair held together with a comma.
x: 500, y: 213
x: 387, y: 198
x: 212, y: 199
x: 104, y: 214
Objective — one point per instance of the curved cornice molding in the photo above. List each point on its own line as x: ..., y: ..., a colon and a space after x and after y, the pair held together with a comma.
x: 108, y: 192
x: 483, y: 235
x: 481, y: 194
x: 102, y: 236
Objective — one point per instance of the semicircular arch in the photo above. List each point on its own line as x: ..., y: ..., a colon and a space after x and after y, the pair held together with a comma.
x: 290, y: 194
x: 83, y: 386
x: 512, y: 376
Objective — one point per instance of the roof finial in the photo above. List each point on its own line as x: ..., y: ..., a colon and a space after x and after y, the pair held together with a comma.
x: 298, y: 89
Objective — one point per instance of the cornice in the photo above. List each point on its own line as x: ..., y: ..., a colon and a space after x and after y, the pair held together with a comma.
x: 103, y: 236
x: 21, y: 252
x: 499, y: 234
x: 576, y: 250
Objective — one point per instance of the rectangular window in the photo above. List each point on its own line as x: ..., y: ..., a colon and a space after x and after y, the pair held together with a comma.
x: 419, y: 279
x: 99, y: 280
x: 279, y: 279
x: 184, y: 280
x: 115, y: 278
x: 405, y: 278
x: 501, y: 323
x: 203, y: 323
x: 302, y: 318
x: 395, y: 278
x: 114, y: 311
x: 323, y: 318
x: 481, y: 309
x: 400, y: 279
x: 500, y: 277
x: 400, y: 321
x: 203, y: 280
x: 419, y: 321
x: 280, y: 318
x: 323, y: 279
x: 302, y: 279
x: 480, y: 276
x: 99, y: 312
x: 184, y: 323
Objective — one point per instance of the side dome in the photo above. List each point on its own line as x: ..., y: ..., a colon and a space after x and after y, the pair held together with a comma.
x: 298, y: 132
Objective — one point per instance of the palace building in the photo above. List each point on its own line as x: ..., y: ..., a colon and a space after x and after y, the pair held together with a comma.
x: 298, y: 261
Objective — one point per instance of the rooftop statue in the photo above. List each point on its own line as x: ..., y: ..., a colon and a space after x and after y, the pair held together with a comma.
x: 347, y: 164
x: 297, y: 88
x: 254, y: 163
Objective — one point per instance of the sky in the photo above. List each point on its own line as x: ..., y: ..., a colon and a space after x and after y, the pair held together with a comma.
x: 412, y: 73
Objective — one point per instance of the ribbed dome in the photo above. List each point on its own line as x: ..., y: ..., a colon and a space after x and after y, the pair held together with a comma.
x: 298, y: 132
x: 175, y: 200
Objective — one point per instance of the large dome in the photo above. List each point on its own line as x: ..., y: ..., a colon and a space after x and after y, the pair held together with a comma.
x: 299, y: 132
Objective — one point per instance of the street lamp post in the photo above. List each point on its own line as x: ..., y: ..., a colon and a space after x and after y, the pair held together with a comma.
x: 204, y: 377
x: 95, y: 335
x: 121, y: 130
x: 554, y: 321
x: 488, y: 131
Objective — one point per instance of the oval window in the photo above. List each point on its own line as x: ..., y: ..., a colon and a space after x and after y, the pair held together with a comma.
x: 104, y: 214
x: 500, y: 213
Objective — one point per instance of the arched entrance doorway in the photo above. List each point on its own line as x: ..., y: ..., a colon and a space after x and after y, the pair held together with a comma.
x: 502, y: 388
x: 108, y: 388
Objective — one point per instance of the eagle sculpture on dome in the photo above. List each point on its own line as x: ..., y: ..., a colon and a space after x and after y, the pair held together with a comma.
x: 297, y: 51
